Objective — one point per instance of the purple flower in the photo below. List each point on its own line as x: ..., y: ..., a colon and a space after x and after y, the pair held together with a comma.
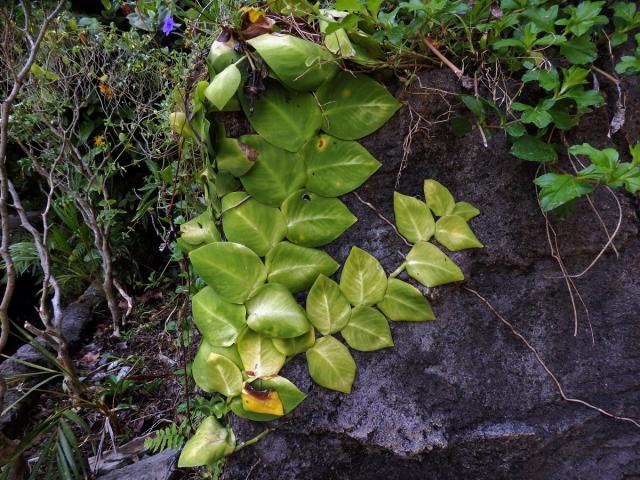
x: 168, y: 26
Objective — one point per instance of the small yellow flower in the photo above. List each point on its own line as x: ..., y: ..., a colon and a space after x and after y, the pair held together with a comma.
x: 99, y: 140
x: 105, y: 90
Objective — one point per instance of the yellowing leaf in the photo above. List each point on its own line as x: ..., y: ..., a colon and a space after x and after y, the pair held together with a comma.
x: 259, y: 357
x: 331, y: 365
x: 217, y: 373
x: 429, y: 266
x: 274, y: 312
x: 362, y: 281
x: 454, y: 233
x: 327, y: 308
x: 404, y: 302
x: 261, y: 401
x: 465, y: 210
x: 438, y: 198
x: 178, y: 124
x: 289, y: 394
x: 367, y: 330
x: 210, y: 443
x: 413, y: 218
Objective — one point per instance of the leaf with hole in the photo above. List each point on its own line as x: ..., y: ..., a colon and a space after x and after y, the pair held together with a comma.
x: 465, y: 210
x: 438, y: 198
x: 367, y: 330
x: 354, y: 106
x: 327, y: 308
x: 413, y: 219
x: 428, y: 265
x: 284, y: 118
x: 289, y: 394
x: 331, y: 365
x: 404, y: 302
x: 362, y: 281
x: 297, y: 267
x: 335, y: 167
x: 296, y: 345
x: 453, y: 232
x: 313, y: 221
x: 223, y: 87
x: 220, y: 322
x: 211, y: 442
x: 276, y: 172
x: 232, y: 270
x: 259, y: 357
x: 217, y: 373
x: 273, y: 311
x: 251, y: 223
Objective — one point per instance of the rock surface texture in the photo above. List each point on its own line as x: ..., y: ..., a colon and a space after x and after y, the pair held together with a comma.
x: 462, y: 397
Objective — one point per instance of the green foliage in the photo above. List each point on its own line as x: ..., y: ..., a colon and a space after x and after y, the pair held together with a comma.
x: 170, y: 437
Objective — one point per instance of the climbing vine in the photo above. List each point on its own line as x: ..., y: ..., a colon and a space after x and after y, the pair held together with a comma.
x: 272, y: 201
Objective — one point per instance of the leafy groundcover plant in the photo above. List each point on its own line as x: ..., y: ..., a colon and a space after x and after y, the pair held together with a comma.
x: 271, y: 203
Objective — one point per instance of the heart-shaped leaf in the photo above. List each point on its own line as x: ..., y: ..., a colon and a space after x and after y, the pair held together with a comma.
x: 273, y: 311
x: 276, y: 173
x: 331, y: 365
x: 429, y: 266
x: 454, y: 233
x: 438, y: 198
x: 404, y: 302
x: 251, y: 223
x: 259, y: 357
x: 284, y: 118
x: 297, y: 267
x: 362, y: 281
x: 465, y: 210
x: 327, y: 308
x: 197, y: 232
x: 299, y: 64
x: 217, y: 373
x: 234, y: 156
x: 336, y: 167
x: 220, y: 322
x: 210, y: 443
x: 296, y: 345
x: 354, y: 106
x: 232, y: 270
x: 289, y: 394
x: 313, y: 221
x: 223, y: 86
x: 206, y: 348
x: 367, y: 330
x: 413, y: 218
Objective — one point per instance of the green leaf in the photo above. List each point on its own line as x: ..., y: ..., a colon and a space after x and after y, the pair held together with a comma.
x: 234, y: 156
x: 558, y: 189
x: 331, y: 365
x: 210, y: 443
x: 178, y: 124
x: 299, y: 64
x: 533, y: 149
x: 548, y: 79
x: 206, y: 348
x: 413, y: 218
x: 438, y: 198
x: 367, y: 330
x: 582, y: 17
x: 217, y: 373
x: 327, y: 308
x: 607, y: 157
x: 251, y: 223
x: 579, y: 50
x: 289, y: 394
x: 220, y: 322
x: 453, y: 232
x: 298, y: 267
x: 465, y: 210
x: 223, y: 87
x: 232, y: 270
x: 198, y: 232
x: 221, y: 55
x: 474, y: 104
x: 284, y: 118
x: 273, y: 311
x: 354, y: 106
x: 362, y: 281
x: 259, y: 357
x: 429, y: 266
x: 296, y: 345
x: 404, y: 302
x: 276, y: 172
x: 313, y: 221
x: 335, y: 167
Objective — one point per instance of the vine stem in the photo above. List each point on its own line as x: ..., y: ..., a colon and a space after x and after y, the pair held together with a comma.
x: 254, y: 440
x: 442, y: 58
x: 398, y: 270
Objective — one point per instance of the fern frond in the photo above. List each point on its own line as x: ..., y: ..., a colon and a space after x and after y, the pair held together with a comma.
x: 170, y: 437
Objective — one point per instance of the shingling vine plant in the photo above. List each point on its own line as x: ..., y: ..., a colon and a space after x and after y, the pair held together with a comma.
x: 272, y: 200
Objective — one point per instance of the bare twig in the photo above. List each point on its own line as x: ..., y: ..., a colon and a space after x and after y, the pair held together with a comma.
x: 382, y: 217
x: 442, y: 58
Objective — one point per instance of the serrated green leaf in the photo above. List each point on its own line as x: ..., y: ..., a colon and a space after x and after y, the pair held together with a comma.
x: 296, y: 345
x: 289, y: 394
x: 465, y: 210
x: 274, y: 312
x: 298, y: 267
x: 251, y: 223
x: 362, y: 281
x: 219, y: 322
x: 327, y: 308
x: 453, y: 232
x: 354, y: 106
x: 413, y: 219
x: 210, y: 443
x: 335, y: 167
x: 313, y: 221
x: 429, y: 266
x: 559, y: 189
x: 367, y: 330
x: 259, y: 357
x: 404, y: 302
x: 579, y: 50
x: 331, y: 365
x: 223, y: 87
x: 284, y: 118
x: 276, y: 172
x: 438, y: 198
x: 533, y: 149
x: 232, y: 270
x: 234, y: 156
x: 217, y: 373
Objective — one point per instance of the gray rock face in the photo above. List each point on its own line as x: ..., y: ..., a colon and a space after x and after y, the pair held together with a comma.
x: 462, y: 397
x: 161, y: 466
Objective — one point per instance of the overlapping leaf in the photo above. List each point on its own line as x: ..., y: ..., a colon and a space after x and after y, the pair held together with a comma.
x: 327, y: 308
x: 367, y: 330
x: 296, y: 345
x: 438, y: 198
x: 404, y: 302
x: 413, y: 219
x: 289, y: 394
x: 273, y: 311
x: 219, y: 322
x: 362, y: 281
x: 211, y: 442
x: 259, y: 357
x: 453, y: 232
x: 429, y: 266
x: 217, y: 373
x: 331, y: 365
